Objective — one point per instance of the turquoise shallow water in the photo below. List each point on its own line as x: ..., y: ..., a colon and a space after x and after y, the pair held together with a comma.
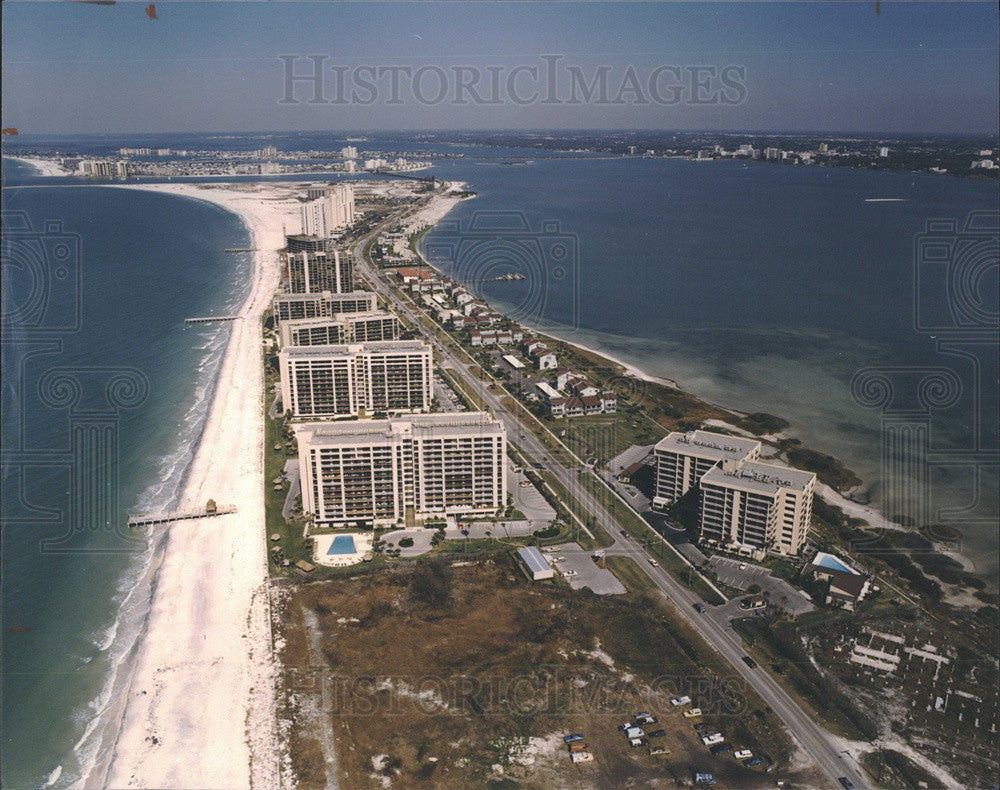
x: 759, y: 287
x: 101, y: 412
x: 762, y: 288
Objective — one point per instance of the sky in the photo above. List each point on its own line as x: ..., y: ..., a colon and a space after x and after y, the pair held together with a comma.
x: 217, y: 66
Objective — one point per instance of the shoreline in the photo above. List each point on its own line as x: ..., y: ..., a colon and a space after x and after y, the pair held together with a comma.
x: 46, y: 168
x: 201, y: 683
x: 865, y: 511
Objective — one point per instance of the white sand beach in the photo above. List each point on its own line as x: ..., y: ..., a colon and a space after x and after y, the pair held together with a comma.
x: 45, y: 167
x: 199, y: 709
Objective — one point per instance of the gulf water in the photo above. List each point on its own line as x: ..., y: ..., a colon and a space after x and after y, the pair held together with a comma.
x: 145, y: 263
x: 756, y: 286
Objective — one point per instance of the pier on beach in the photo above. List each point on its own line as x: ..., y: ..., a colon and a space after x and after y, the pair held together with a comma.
x: 179, y: 515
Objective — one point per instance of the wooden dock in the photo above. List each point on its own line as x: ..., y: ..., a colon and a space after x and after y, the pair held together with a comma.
x: 181, y: 515
x: 209, y: 319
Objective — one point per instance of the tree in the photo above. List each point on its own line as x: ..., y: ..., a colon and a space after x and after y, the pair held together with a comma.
x: 431, y: 582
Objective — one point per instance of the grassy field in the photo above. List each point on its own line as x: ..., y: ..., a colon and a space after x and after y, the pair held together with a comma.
x: 630, y: 574
x: 469, y: 676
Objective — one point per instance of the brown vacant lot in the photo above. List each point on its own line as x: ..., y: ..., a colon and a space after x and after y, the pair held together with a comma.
x: 469, y: 676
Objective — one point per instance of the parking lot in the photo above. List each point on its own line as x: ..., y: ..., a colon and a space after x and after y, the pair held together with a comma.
x: 585, y: 570
x: 778, y: 592
x: 529, y: 501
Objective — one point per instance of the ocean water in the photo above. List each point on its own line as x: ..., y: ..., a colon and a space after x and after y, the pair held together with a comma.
x: 761, y: 288
x: 755, y: 286
x: 75, y: 586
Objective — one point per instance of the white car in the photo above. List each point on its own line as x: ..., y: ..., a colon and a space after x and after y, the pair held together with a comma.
x: 743, y: 566
x: 569, y: 573
x: 653, y: 562
x: 743, y: 754
x: 714, y: 738
x: 678, y: 701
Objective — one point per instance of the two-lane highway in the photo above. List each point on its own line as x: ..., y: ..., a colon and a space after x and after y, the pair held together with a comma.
x: 817, y: 743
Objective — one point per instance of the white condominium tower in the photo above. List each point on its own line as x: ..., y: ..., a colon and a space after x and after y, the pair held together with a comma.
x: 290, y: 307
x: 682, y: 459
x: 336, y: 330
x: 755, y: 506
x: 315, y: 272
x: 360, y: 378
x: 329, y: 214
x: 384, y: 472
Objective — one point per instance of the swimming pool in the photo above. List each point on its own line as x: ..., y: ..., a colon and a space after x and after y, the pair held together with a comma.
x: 342, y: 544
x: 831, y: 562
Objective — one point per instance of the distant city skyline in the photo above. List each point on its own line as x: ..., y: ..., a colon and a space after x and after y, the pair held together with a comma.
x: 927, y: 68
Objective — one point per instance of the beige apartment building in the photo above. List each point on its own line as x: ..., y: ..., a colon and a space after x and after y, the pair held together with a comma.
x: 293, y: 307
x: 384, y: 472
x: 682, y: 459
x: 311, y: 272
x: 357, y: 379
x: 369, y: 326
x: 754, y: 507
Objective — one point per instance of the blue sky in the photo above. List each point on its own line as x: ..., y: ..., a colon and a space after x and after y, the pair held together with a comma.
x: 916, y: 67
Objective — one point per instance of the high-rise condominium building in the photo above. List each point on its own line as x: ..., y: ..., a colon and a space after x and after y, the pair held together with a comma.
x: 366, y: 327
x: 355, y: 379
x: 753, y: 506
x: 290, y: 307
x: 299, y: 242
x: 383, y: 472
x: 316, y: 272
x: 329, y: 214
x: 682, y: 459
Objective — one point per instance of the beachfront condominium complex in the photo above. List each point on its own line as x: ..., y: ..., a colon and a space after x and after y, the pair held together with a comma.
x: 316, y: 272
x: 742, y: 504
x: 682, y: 459
x: 356, y: 379
x: 329, y: 214
x: 343, y: 328
x: 747, y: 505
x: 383, y: 472
x: 301, y: 243
x: 291, y: 307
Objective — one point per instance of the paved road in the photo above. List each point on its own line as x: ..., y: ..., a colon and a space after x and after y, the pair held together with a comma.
x: 813, y: 739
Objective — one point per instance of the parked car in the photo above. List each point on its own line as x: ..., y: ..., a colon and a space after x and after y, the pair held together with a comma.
x: 636, y: 742
x: 700, y: 608
x: 646, y: 719
x: 623, y: 727
x: 712, y: 739
x: 569, y: 573
x: 704, y: 779
x: 694, y: 713
x: 752, y: 762
x: 742, y: 754
x: 624, y: 533
x: 743, y: 566
x: 847, y: 783
x: 749, y: 662
x: 635, y: 732
x: 654, y: 563
x: 658, y: 750
x: 573, y: 738
x: 658, y: 734
x: 678, y: 701
x: 721, y: 748
x: 642, y: 714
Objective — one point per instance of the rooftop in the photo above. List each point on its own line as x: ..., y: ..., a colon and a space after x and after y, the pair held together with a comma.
x: 708, y: 445
x: 533, y: 558
x: 350, y: 349
x: 757, y: 478
x: 417, y: 425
